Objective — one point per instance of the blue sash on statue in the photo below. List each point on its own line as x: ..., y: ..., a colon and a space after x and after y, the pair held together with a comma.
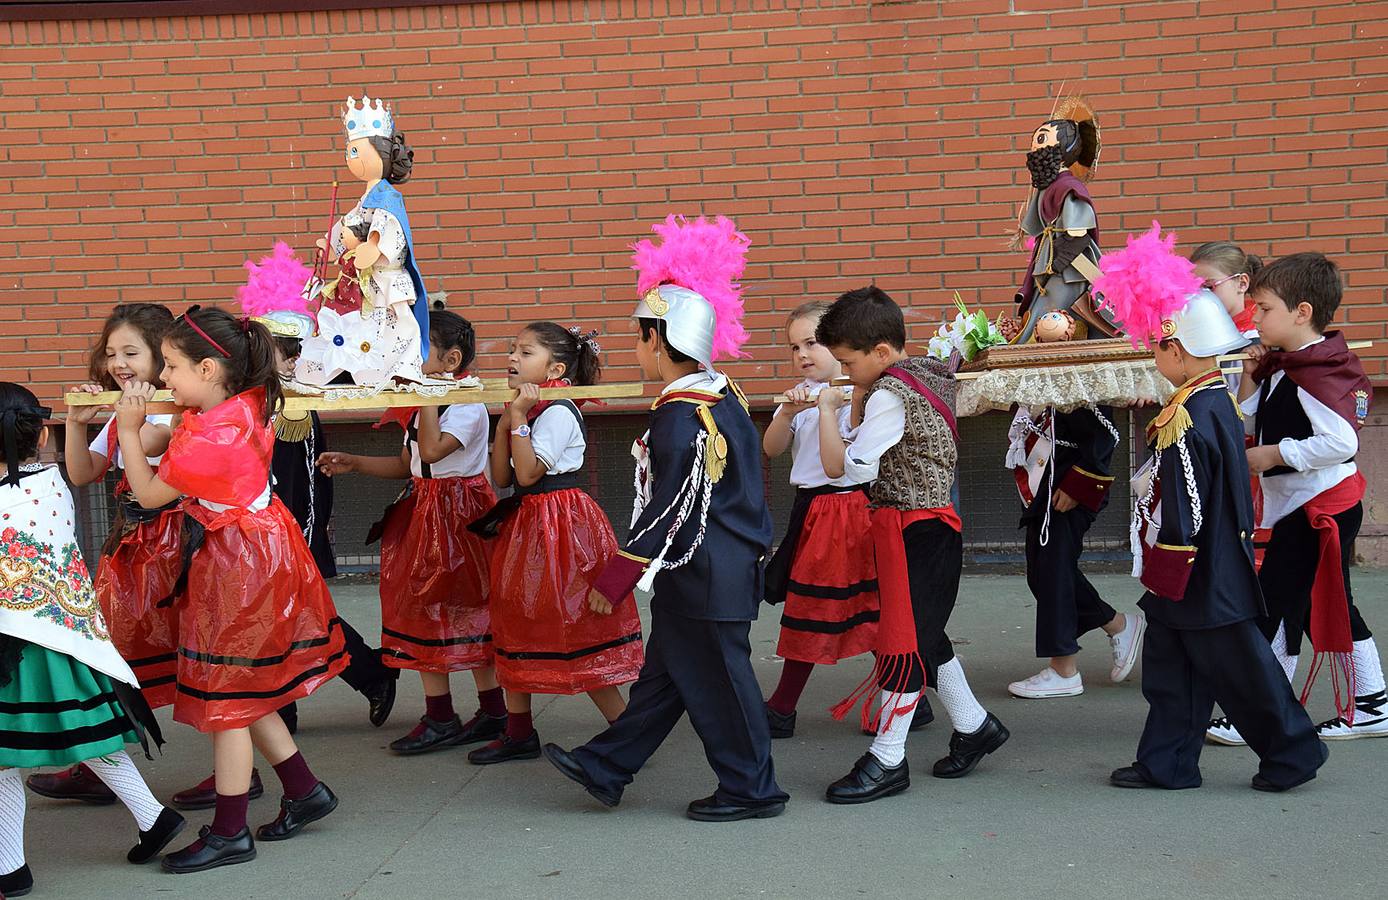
x: 385, y: 196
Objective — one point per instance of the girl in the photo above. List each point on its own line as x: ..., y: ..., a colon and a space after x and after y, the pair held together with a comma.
x: 1227, y: 271
x: 65, y: 693
x: 434, y: 583
x: 823, y: 569
x: 257, y: 628
x: 139, y: 562
x: 551, y: 548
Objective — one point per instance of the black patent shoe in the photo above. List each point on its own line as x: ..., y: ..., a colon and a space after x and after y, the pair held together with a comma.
x: 965, y: 750
x: 17, y: 883
x: 295, y: 814
x: 482, y: 727
x: 782, y: 726
x: 210, y: 851
x: 431, y: 736
x: 152, y: 842
x: 1131, y: 777
x: 504, y: 750
x: 711, y: 809
x: 569, y: 766
x: 381, y: 697
x: 76, y: 783
x: 869, y: 780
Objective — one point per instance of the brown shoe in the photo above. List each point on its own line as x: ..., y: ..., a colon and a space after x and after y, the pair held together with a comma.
x: 77, y: 783
x: 204, y: 794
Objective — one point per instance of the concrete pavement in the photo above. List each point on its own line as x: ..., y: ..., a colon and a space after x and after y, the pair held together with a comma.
x: 1037, y: 819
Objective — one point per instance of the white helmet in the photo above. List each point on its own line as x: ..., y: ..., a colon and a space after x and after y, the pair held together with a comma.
x: 1203, y: 326
x: 689, y: 320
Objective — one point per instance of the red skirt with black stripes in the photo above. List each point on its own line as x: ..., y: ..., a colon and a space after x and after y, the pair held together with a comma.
x: 547, y: 640
x: 831, y: 606
x: 434, y: 578
x: 139, y: 573
x: 257, y: 627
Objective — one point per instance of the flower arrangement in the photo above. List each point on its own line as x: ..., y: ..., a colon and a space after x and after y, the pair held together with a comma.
x: 969, y: 333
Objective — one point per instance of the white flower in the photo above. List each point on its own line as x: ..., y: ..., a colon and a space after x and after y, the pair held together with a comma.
x: 341, y: 345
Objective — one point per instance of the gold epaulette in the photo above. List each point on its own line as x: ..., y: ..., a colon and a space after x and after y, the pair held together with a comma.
x: 1174, y: 421
x: 715, y: 445
x: 293, y: 426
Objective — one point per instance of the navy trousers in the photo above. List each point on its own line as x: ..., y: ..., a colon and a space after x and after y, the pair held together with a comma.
x: 703, y: 668
x: 1067, y: 605
x: 1185, y: 671
x: 364, y: 669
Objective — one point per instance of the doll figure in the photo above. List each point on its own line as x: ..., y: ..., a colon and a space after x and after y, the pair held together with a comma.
x: 394, y: 306
x: 351, y: 291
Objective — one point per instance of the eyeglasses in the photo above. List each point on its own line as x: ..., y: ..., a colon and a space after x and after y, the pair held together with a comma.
x: 1211, y: 285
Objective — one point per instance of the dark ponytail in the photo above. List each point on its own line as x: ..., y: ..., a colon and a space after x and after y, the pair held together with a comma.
x: 577, y: 351
x: 244, y: 348
x: 397, y: 159
x: 448, y: 330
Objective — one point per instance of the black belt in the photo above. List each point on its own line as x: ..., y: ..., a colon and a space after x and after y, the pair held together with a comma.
x: 488, y: 525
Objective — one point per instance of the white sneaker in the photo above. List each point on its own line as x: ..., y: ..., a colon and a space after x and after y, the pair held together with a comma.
x: 1047, y: 683
x: 1127, y: 646
x: 1369, y: 721
x: 1222, y: 731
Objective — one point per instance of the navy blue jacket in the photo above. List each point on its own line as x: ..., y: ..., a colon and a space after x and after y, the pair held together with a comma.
x: 722, y: 581
x: 1205, y: 578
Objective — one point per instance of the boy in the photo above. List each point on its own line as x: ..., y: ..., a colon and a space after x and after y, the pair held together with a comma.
x: 1194, y: 554
x: 906, y: 444
x: 1062, y: 463
x: 702, y: 557
x: 1305, y: 400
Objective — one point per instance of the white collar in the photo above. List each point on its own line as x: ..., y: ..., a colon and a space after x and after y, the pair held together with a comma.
x: 701, y: 380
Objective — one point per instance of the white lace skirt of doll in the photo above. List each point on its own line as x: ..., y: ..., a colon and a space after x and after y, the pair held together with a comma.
x: 375, y: 348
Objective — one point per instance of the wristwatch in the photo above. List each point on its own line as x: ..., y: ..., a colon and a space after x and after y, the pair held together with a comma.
x: 523, y: 431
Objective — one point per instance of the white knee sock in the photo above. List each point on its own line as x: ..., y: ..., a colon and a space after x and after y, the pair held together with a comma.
x: 890, y: 744
x: 1279, y: 650
x: 965, y: 712
x: 1368, y: 669
x: 11, y: 821
x: 120, y: 775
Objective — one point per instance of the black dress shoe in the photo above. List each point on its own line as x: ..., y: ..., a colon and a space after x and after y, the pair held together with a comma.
x: 17, y: 883
x: 782, y: 726
x: 295, y: 814
x: 432, y: 736
x: 869, y: 780
x: 965, y: 750
x: 565, y: 762
x: 1130, y: 777
x: 76, y: 783
x: 381, y: 696
x: 164, y: 830
x: 204, y: 796
x: 482, y: 727
x: 711, y: 809
x: 210, y: 851
x: 504, y: 750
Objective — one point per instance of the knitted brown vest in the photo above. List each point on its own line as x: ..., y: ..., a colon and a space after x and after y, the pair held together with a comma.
x: 918, y: 473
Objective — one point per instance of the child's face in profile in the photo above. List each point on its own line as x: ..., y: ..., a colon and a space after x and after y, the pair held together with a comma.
x: 648, y: 353
x: 531, y: 362
x: 863, y: 367
x: 1277, y: 325
x: 811, y: 359
x: 1170, y: 358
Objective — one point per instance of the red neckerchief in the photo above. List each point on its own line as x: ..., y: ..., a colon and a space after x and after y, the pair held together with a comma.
x: 401, y: 415
x: 1328, y: 371
x: 1244, y: 320
x: 540, y: 407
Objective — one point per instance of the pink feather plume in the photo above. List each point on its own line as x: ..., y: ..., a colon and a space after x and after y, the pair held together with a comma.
x: 1145, y: 283
x: 705, y: 257
x: 275, y: 283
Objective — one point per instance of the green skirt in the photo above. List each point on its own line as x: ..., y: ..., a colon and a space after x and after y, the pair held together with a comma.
x: 57, y: 711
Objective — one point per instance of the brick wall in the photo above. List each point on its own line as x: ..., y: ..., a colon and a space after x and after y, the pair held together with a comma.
x: 146, y: 158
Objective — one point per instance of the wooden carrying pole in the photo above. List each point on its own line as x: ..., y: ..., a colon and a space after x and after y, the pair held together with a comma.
x: 492, y: 391
x: 1227, y: 357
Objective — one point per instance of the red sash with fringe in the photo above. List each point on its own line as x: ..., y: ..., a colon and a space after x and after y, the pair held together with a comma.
x: 1330, y: 631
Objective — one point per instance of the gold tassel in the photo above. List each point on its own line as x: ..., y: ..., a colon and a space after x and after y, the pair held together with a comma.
x: 1173, y: 422
x: 293, y: 426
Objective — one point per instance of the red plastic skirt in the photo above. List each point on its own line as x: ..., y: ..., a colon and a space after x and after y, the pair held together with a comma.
x: 434, y: 581
x: 548, y: 554
x: 831, y: 607
x: 138, y: 574
x: 257, y: 628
